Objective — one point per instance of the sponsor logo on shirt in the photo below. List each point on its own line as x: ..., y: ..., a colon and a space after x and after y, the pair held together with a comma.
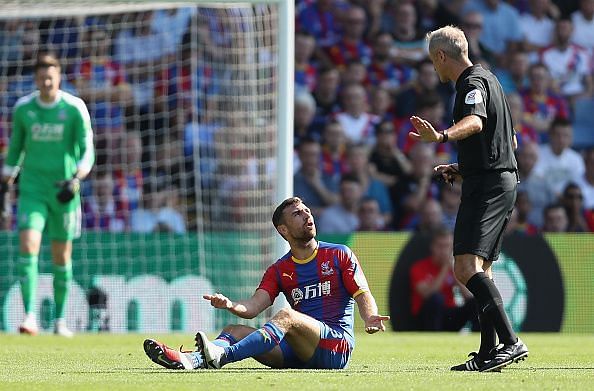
x: 473, y: 97
x: 47, y: 132
x: 311, y: 291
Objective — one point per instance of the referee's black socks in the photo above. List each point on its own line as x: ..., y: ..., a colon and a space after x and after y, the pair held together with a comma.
x: 490, y: 305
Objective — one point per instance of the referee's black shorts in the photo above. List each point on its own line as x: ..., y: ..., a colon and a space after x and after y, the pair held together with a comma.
x: 486, y: 206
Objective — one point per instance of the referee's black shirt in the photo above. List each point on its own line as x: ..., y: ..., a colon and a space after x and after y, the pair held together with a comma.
x: 478, y: 92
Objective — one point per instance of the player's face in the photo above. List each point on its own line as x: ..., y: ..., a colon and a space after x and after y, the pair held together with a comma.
x: 299, y: 222
x: 47, y: 81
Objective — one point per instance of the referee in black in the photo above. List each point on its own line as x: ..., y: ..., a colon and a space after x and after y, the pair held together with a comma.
x: 486, y: 164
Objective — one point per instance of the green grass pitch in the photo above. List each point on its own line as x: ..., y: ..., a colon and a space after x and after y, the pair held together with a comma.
x: 386, y: 361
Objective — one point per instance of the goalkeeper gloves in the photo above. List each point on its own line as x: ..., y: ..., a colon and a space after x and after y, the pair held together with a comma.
x: 4, y: 200
x: 68, y: 189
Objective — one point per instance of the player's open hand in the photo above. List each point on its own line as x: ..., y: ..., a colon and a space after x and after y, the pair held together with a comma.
x: 375, y: 323
x: 219, y: 301
x: 424, y: 131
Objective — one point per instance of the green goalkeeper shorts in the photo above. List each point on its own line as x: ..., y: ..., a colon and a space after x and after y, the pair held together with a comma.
x: 39, y: 211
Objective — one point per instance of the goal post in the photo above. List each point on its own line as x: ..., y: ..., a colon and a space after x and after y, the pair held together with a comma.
x: 192, y: 108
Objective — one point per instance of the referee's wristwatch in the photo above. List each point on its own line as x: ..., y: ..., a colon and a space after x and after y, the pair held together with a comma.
x: 445, y: 137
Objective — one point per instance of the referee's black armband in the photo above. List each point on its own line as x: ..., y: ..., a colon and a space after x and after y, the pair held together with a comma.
x: 445, y: 136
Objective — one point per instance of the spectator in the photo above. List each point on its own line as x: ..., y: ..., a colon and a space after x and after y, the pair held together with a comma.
x: 351, y: 46
x: 159, y: 212
x: 409, y: 43
x: 101, y: 82
x: 533, y: 183
x: 334, y: 150
x: 472, y: 25
x: 524, y: 133
x: 326, y: 96
x: 171, y: 24
x: 569, y: 64
x: 383, y: 71
x: 317, y: 19
x: 433, y: 14
x: 430, y: 217
x: 100, y: 211
x: 415, y: 189
x: 381, y: 104
x: 355, y: 72
x: 357, y: 122
x: 128, y: 176
x: 501, y: 26
x: 514, y: 76
x: 555, y: 218
x: 449, y: 199
x: 310, y: 183
x: 541, y: 105
x: 138, y: 45
x: 537, y: 28
x: 583, y: 21
x: 370, y: 216
x: 425, y: 83
x: 342, y: 218
x: 432, y: 284
x: 305, y: 110
x: 586, y: 182
x: 388, y: 163
x: 358, y: 160
x: 573, y: 202
x: 522, y: 211
x: 305, y: 72
x: 557, y: 162
x: 429, y: 107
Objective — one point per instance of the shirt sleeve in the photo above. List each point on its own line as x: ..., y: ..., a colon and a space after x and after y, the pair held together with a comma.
x: 474, y: 100
x: 84, y: 139
x: 270, y: 282
x: 15, y: 146
x: 352, y: 274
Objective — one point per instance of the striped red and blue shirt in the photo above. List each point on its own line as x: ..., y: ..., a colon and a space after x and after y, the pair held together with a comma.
x: 322, y: 286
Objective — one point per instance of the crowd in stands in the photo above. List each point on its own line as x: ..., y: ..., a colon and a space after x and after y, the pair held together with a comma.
x: 361, y: 70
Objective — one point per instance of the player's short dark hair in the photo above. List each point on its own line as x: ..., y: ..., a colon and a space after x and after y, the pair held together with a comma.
x: 46, y: 60
x: 277, y: 216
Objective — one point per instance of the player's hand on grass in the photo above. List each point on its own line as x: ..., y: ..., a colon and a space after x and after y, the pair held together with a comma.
x: 448, y: 172
x: 375, y: 323
x: 68, y: 189
x: 424, y: 131
x: 219, y: 301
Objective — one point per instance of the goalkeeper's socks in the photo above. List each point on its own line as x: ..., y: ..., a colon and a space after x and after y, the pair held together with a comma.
x: 27, y: 269
x: 225, y: 340
x: 259, y: 342
x: 62, y: 282
x: 490, y: 305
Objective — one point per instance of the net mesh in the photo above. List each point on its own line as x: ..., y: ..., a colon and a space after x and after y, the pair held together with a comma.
x: 183, y: 102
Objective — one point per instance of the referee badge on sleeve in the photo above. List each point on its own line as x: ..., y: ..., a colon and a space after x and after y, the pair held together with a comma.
x: 473, y: 97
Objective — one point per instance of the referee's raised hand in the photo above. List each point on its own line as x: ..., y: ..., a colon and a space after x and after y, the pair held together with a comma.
x: 424, y: 131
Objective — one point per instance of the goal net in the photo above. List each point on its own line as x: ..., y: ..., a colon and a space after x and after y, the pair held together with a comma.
x: 188, y: 102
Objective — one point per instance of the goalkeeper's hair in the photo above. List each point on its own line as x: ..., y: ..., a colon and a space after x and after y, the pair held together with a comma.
x: 277, y: 216
x: 46, y: 60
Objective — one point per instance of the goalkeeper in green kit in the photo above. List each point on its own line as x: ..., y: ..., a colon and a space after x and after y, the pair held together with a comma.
x: 52, y: 147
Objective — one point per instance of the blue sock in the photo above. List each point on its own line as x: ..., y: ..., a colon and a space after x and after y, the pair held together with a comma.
x: 225, y: 340
x: 196, y: 359
x: 258, y: 342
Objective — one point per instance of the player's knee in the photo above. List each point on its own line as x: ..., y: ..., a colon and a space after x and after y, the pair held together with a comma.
x: 284, y: 317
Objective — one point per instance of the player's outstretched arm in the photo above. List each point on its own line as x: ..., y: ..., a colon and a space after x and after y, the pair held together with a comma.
x: 368, y: 311
x: 246, y: 309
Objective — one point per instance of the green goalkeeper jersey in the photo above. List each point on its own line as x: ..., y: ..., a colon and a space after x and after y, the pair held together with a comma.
x: 49, y: 142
